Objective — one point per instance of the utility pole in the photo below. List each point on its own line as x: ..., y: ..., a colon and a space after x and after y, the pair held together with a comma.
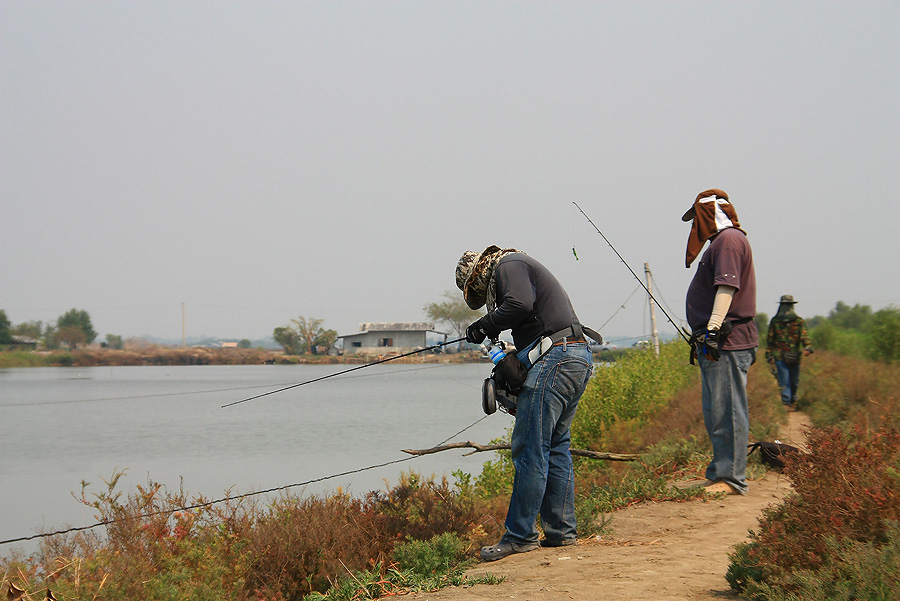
x: 653, y: 333
x: 182, y: 325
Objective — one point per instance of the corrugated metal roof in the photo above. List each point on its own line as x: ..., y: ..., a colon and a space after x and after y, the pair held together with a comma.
x: 421, y: 326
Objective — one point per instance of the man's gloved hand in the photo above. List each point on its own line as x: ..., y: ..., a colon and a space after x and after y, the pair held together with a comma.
x: 710, y: 346
x: 475, y: 333
x: 481, y: 329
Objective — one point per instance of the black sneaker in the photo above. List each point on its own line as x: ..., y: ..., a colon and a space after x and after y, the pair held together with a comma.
x: 568, y: 542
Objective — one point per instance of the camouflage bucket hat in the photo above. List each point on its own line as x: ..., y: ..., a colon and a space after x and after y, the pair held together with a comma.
x: 475, y: 275
x: 464, y: 268
x: 787, y: 299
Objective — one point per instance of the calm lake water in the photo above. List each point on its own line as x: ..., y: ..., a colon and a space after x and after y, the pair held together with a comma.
x: 59, y: 426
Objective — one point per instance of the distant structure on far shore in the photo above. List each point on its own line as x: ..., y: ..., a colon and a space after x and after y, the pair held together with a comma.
x: 384, y: 338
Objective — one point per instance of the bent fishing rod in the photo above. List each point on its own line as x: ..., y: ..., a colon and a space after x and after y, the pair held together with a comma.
x: 338, y: 373
x: 624, y: 262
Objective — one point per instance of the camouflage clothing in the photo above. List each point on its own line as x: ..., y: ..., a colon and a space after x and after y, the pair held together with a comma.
x: 475, y: 276
x: 787, y: 332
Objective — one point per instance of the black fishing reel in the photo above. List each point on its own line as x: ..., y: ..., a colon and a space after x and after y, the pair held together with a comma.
x: 492, y: 398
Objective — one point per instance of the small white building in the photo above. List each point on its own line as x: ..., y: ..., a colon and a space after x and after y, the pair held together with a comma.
x: 384, y: 338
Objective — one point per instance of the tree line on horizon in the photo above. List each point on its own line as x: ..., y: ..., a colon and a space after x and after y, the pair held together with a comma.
x: 71, y: 330
x: 855, y: 331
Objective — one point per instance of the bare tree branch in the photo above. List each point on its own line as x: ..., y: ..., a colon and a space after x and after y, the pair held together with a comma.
x: 500, y: 447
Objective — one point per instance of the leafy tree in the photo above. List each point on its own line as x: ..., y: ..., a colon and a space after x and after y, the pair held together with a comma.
x: 452, y: 311
x: 29, y: 329
x: 850, y: 331
x: 304, y: 336
x: 5, y: 333
x: 78, y: 320
x: 114, y: 342
x: 287, y: 337
x: 313, y: 334
x: 245, y: 343
x: 71, y: 336
x: 857, y: 317
x: 49, y: 336
x: 885, y: 334
x: 762, y: 325
x: 326, y: 339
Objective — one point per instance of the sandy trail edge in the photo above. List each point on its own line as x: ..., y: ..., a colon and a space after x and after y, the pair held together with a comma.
x: 658, y: 551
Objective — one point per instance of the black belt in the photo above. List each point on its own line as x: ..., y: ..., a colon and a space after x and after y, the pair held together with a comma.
x: 568, y: 340
x: 575, y: 333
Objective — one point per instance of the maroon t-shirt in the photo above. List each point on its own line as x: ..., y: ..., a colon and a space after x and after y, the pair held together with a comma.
x: 728, y: 261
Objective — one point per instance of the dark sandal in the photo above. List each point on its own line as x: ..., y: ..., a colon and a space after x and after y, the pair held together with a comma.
x: 504, y: 548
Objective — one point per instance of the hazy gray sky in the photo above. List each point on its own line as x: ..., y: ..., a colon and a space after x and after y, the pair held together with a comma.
x: 258, y: 161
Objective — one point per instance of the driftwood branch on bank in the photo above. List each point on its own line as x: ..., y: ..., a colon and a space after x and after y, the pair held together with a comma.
x: 500, y: 447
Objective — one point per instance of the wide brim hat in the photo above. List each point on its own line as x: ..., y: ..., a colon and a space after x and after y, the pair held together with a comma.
x: 787, y: 299
x: 475, y: 272
x: 472, y: 277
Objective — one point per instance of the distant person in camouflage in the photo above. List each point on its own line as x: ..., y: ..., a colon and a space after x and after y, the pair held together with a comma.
x: 786, y: 342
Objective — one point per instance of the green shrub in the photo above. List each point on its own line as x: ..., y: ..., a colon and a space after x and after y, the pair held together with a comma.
x: 9, y: 359
x: 61, y: 359
x: 625, y: 394
x: 439, y: 555
x: 885, y: 335
x: 496, y: 477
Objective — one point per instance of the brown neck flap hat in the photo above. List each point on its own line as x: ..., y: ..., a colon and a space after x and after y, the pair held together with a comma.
x: 711, y: 213
x: 475, y: 276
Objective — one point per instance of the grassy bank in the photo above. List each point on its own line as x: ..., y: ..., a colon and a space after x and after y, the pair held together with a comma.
x: 158, y: 355
x: 419, y: 534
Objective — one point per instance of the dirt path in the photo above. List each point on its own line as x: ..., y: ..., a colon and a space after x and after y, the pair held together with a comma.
x: 658, y: 551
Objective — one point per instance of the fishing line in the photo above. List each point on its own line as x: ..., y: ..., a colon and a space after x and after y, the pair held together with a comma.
x: 338, y: 373
x: 234, y: 497
x: 622, y: 306
x: 274, y: 489
x: 202, y: 505
x: 208, y: 391
x: 650, y: 294
x: 574, y: 231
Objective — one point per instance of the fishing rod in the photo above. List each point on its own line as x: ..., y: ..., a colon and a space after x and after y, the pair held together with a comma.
x: 421, y: 350
x: 624, y: 262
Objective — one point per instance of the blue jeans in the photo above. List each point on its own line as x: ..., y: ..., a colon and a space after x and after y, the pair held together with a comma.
x: 726, y: 415
x: 545, y: 483
x: 788, y: 380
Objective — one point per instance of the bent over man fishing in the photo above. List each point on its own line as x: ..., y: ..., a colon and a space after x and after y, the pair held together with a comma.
x: 523, y: 296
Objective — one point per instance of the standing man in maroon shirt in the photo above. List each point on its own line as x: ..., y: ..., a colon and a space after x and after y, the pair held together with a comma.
x: 721, y: 307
